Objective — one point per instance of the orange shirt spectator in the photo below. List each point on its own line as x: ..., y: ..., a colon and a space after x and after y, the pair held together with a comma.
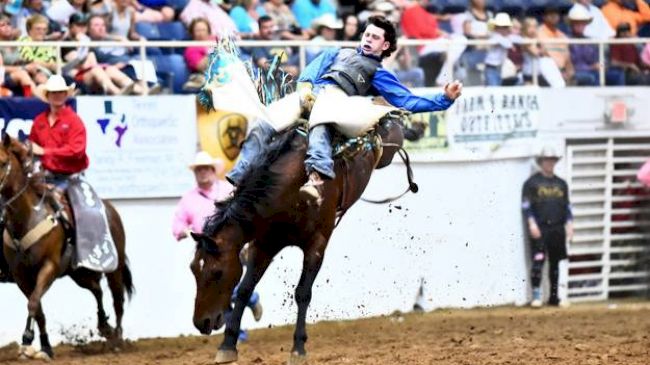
x: 558, y: 52
x: 616, y: 13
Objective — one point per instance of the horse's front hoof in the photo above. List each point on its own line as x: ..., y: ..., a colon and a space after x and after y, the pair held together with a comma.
x: 26, y: 352
x: 41, y: 355
x: 225, y: 357
x: 296, y: 359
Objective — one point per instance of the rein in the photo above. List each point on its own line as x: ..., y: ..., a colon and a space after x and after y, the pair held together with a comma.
x: 412, y: 187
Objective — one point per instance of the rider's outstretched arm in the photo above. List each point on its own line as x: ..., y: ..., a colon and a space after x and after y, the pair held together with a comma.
x: 400, y: 96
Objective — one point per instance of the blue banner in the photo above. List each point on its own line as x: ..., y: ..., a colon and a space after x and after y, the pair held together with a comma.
x: 17, y: 114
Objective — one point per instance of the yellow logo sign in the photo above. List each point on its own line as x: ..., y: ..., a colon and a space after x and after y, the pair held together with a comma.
x: 232, y: 132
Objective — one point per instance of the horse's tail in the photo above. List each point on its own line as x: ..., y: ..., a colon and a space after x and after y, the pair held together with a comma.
x: 127, y: 279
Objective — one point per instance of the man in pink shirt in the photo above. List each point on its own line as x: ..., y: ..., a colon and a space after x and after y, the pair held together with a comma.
x: 197, y: 204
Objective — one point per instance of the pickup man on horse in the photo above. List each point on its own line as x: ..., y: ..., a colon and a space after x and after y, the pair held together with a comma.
x: 325, y: 84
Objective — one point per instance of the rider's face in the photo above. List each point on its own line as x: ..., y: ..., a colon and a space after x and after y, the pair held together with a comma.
x: 373, y: 42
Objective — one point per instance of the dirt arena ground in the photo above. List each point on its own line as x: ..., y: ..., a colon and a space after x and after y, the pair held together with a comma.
x: 583, y: 334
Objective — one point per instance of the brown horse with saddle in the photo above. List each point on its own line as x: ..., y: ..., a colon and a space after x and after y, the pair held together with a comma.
x: 39, y: 247
x: 268, y: 211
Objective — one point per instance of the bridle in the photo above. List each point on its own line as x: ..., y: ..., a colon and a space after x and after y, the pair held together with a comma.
x: 27, y: 168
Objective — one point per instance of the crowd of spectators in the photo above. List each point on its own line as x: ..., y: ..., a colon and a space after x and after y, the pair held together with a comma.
x: 508, y: 24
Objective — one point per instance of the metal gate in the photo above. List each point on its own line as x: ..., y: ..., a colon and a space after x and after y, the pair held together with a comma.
x: 609, y: 253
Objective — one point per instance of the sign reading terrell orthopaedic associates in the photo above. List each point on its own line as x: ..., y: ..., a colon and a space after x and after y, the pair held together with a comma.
x: 139, y: 147
x: 494, y: 122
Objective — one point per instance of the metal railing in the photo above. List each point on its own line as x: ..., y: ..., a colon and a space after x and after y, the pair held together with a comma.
x: 302, y: 45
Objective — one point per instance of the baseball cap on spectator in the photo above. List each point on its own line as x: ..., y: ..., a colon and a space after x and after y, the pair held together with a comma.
x: 78, y: 19
x: 383, y: 6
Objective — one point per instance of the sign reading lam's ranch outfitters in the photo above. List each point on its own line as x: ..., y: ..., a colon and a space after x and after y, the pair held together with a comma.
x: 494, y: 122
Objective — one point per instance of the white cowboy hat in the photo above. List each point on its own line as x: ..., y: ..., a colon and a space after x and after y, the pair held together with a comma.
x: 548, y: 152
x: 328, y: 21
x: 578, y: 13
x: 54, y: 84
x: 204, y: 159
x: 501, y: 20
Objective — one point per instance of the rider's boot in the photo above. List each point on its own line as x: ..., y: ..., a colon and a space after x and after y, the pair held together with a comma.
x: 312, y: 191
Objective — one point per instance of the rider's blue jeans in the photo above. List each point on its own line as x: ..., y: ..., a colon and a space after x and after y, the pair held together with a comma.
x: 319, y: 152
x: 252, y: 146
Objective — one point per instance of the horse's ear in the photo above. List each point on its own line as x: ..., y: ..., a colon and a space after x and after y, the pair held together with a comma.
x: 206, y: 243
x: 6, y: 139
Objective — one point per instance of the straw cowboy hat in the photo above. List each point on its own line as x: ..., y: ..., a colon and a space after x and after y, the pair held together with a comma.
x: 328, y: 21
x: 54, y: 84
x: 579, y: 14
x: 204, y: 159
x: 548, y: 152
x: 501, y: 20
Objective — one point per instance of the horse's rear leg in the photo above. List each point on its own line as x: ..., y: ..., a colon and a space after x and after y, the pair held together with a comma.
x: 312, y: 261
x: 91, y: 281
x: 259, y: 261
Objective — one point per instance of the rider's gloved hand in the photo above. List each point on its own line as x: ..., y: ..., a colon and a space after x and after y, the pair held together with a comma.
x: 307, y: 97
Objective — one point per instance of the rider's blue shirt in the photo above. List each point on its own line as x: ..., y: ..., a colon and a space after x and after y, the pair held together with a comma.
x: 384, y: 83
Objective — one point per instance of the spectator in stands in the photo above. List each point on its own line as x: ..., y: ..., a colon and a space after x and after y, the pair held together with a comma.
x: 626, y: 57
x: 81, y: 64
x: 351, y: 29
x: 34, y: 7
x: 547, y: 210
x: 385, y: 8
x: 196, y: 58
x: 326, y: 27
x: 599, y: 28
x: 558, y: 52
x: 123, y: 18
x: 308, y: 10
x: 474, y: 24
x: 405, y: 69
x: 40, y: 61
x: 418, y: 23
x: 220, y: 23
x: 503, y: 41
x: 620, y: 11
x: 151, y: 11
x: 531, y: 52
x: 245, y: 15
x: 645, y: 55
x: 61, y: 10
x: 286, y: 22
x: 118, y: 56
x: 16, y: 76
x: 262, y: 56
x: 584, y: 57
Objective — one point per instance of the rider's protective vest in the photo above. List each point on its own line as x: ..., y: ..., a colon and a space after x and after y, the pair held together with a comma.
x: 353, y: 72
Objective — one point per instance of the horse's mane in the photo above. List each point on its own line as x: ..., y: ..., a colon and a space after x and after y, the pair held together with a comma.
x: 255, y: 192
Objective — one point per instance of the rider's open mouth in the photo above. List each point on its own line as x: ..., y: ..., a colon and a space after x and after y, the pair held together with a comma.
x: 366, y: 47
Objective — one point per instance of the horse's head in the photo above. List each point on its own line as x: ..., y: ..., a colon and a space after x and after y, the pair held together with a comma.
x: 14, y: 158
x: 217, y: 270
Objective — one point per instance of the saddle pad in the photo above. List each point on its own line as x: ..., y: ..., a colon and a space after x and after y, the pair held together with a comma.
x: 95, y: 247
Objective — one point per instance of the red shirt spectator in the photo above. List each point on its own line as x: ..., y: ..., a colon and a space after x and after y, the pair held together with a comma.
x: 418, y: 23
x: 63, y: 142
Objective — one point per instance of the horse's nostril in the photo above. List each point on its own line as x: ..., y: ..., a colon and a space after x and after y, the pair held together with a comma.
x: 206, y: 325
